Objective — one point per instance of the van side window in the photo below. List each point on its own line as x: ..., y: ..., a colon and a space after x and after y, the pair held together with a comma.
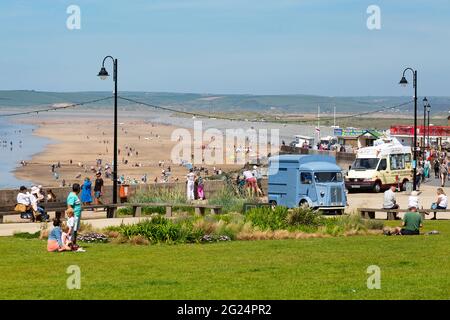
x: 383, y: 165
x: 306, y: 178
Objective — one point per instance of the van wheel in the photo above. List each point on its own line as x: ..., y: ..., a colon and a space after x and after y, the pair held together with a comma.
x: 377, y: 187
x: 273, y: 204
x: 304, y: 204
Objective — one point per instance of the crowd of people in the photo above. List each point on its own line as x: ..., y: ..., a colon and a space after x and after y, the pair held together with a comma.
x: 250, y: 182
x: 27, y: 202
x: 433, y: 160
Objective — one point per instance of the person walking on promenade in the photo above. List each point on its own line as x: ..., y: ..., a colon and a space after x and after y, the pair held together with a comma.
x: 436, y: 166
x: 98, y: 188
x: 443, y: 172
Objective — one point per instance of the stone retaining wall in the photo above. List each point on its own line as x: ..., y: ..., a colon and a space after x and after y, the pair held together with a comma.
x: 8, y: 197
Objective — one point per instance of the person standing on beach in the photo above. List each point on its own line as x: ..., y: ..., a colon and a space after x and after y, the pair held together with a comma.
x: 74, y: 203
x: 98, y: 188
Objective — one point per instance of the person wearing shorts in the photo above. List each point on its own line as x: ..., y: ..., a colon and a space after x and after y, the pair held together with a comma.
x: 98, y: 188
x: 74, y: 203
x: 250, y: 181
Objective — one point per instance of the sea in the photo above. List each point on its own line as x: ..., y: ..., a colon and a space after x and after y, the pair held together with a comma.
x: 17, y: 143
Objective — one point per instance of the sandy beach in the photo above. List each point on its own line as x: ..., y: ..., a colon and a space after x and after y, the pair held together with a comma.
x: 79, y: 142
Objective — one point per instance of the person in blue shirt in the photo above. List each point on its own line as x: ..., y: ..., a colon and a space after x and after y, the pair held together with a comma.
x: 74, y: 203
x: 54, y: 242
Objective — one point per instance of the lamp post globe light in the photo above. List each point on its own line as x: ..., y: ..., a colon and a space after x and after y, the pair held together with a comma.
x: 425, y: 103
x: 103, y: 74
x: 403, y: 82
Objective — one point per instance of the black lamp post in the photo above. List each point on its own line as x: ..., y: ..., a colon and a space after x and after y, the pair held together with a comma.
x: 103, y: 74
x: 425, y: 103
x: 428, y: 126
x: 404, y: 82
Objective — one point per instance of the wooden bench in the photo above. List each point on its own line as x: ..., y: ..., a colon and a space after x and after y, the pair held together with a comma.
x: 369, y: 213
x: 111, y: 209
x: 58, y: 208
x: 199, y: 208
x: 47, y: 206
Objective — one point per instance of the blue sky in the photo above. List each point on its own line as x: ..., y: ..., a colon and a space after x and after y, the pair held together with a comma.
x: 227, y: 46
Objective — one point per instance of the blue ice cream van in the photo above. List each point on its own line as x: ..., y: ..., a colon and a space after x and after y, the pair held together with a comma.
x: 306, y: 180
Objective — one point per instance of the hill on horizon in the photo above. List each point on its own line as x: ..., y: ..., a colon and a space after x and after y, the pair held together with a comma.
x: 219, y: 103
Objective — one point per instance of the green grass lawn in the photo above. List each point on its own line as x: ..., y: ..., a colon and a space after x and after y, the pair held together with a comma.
x: 327, y: 268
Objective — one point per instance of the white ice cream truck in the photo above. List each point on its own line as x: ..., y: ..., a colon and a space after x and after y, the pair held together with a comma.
x: 375, y: 168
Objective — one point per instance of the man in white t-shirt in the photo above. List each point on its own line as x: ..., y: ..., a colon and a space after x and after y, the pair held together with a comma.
x: 390, y: 201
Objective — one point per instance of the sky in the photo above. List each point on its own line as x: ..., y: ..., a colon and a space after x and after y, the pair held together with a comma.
x: 227, y: 46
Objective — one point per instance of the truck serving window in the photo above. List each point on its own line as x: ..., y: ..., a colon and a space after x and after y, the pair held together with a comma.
x: 365, y: 164
x: 397, y: 161
x: 328, y: 177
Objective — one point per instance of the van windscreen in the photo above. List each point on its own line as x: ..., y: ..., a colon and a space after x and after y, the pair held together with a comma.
x: 328, y: 177
x: 365, y: 164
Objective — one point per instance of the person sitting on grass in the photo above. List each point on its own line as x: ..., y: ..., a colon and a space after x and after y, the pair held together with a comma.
x: 65, y: 235
x: 55, y: 242
x: 412, y: 222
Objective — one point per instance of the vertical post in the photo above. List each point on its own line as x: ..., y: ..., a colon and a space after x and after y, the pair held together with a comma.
x: 115, y: 135
x: 428, y: 126
x: 415, y: 131
x: 424, y: 124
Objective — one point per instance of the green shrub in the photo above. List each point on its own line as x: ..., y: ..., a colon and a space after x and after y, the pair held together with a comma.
x: 374, y: 224
x: 229, y: 200
x: 304, y: 217
x: 161, y: 230
x: 266, y: 218
x: 161, y: 195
